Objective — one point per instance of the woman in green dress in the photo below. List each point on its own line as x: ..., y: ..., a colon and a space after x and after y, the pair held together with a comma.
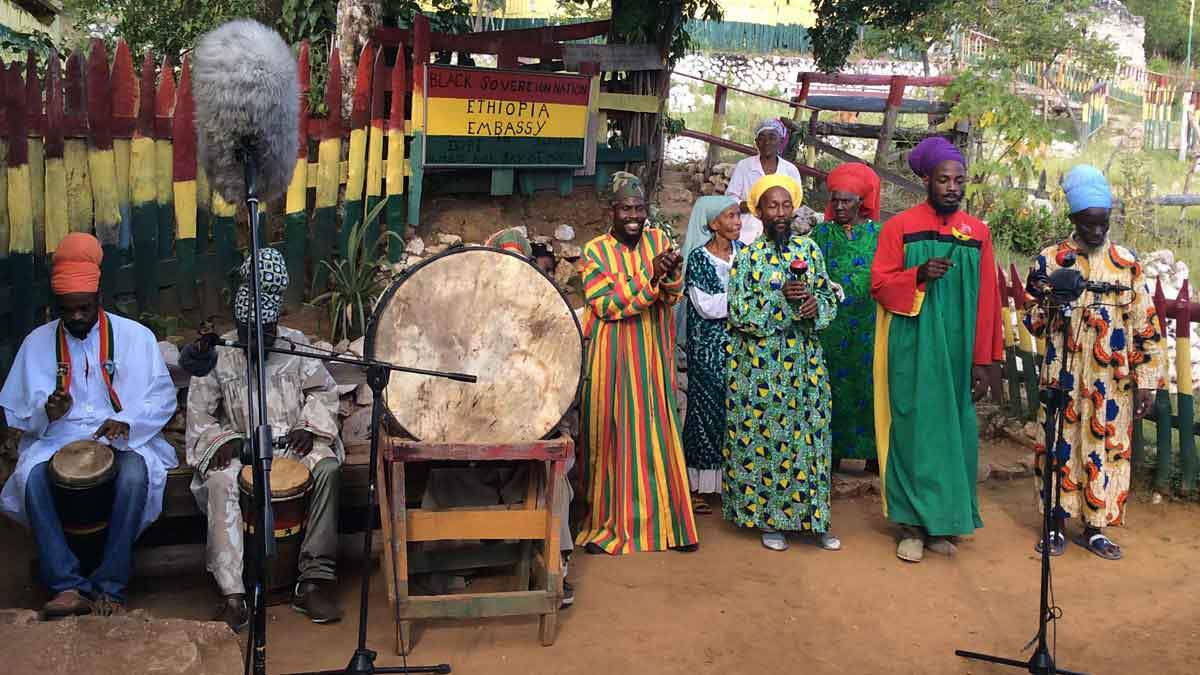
x: 709, y: 248
x: 777, y: 441
x: 848, y: 237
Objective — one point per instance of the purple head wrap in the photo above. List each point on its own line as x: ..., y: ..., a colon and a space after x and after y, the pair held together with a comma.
x: 931, y: 152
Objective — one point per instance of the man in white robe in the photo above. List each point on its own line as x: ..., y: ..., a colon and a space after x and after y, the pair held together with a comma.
x: 89, y: 375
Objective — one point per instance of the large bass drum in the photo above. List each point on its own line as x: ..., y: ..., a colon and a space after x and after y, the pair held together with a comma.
x: 488, y: 313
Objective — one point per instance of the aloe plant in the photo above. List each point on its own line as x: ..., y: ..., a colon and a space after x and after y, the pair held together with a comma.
x: 355, y: 281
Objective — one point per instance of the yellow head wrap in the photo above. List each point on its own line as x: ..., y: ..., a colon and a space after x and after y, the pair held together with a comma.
x: 772, y: 181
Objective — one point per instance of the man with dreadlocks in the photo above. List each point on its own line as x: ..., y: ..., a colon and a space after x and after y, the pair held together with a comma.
x: 777, y: 441
x: 302, y: 407
x: 633, y: 466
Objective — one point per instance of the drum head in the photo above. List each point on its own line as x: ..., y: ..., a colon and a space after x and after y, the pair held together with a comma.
x: 288, y: 478
x: 483, y: 312
x: 82, y: 464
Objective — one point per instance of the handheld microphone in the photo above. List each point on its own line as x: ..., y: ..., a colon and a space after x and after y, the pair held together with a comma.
x: 247, y: 92
x: 799, y: 270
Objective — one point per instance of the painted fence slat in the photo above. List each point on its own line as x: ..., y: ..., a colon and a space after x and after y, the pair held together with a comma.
x: 376, y: 140
x: 397, y: 210
x: 1184, y: 400
x: 57, y: 219
x: 329, y: 152
x: 124, y: 86
x: 183, y: 175
x: 164, y: 106
x: 142, y: 170
x: 75, y: 155
x: 37, y: 159
x: 295, y: 226
x: 20, y: 212
x: 102, y: 167
x: 360, y: 112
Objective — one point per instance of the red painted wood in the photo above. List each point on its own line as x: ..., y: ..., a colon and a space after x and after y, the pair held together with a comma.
x: 183, y: 128
x: 76, y: 105
x: 14, y: 105
x: 872, y: 80
x: 719, y: 100
x: 417, y: 451
x: 489, y: 42
x: 123, y: 84
x: 1183, y: 312
x: 35, y: 123
x: 1004, y: 295
x: 305, y: 77
x: 805, y: 86
x: 420, y: 47
x: 1016, y: 286
x: 399, y: 108
x: 331, y: 127
x: 145, y: 121
x: 360, y: 102
x: 164, y: 101
x: 507, y: 58
x: 379, y: 80
x: 896, y: 92
x: 1160, y: 305
x: 99, y: 97
x: 54, y: 109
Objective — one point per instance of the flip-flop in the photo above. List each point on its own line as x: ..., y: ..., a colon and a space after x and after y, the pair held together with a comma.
x: 911, y: 549
x: 1102, y: 546
x: 1058, y: 544
x: 701, y: 507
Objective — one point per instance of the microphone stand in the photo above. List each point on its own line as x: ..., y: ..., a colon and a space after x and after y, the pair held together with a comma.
x: 1054, y: 397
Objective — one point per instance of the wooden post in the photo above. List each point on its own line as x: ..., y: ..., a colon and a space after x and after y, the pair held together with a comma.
x: 1025, y: 351
x: 718, y: 125
x: 57, y: 223
x: 164, y: 154
x: 183, y: 176
x: 396, y: 209
x: 295, y: 208
x: 1184, y: 398
x: 329, y: 154
x: 1162, y: 415
x: 20, y: 202
x: 102, y: 167
x: 420, y: 38
x: 142, y: 182
x: 890, y: 114
x: 360, y: 123
x: 1008, y: 315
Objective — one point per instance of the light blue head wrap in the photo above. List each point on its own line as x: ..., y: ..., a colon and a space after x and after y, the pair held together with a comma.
x: 704, y: 211
x: 1086, y: 187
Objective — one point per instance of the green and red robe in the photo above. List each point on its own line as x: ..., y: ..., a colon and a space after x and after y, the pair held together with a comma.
x: 927, y: 338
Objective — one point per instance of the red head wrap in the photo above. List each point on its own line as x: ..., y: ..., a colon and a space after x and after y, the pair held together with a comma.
x: 859, y: 179
x: 76, y: 265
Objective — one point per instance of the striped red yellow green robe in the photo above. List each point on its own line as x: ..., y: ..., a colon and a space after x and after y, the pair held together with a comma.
x: 633, y: 467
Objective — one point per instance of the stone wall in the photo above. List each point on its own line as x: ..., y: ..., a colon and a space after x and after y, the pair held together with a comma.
x: 1126, y: 31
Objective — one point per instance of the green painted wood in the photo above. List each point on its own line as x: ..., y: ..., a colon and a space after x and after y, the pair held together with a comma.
x: 324, y: 237
x: 1138, y: 455
x: 1029, y: 374
x: 224, y: 246
x: 146, y: 255
x: 502, y: 182
x: 1162, y: 417
x: 416, y: 152
x: 371, y: 240
x: 166, y: 229
x: 23, y: 314
x: 1189, y: 462
x: 113, y: 260
x: 185, y: 283
x: 396, y: 210
x: 353, y: 215
x: 295, y: 227
x: 566, y: 182
x: 478, y: 605
x: 1013, y: 378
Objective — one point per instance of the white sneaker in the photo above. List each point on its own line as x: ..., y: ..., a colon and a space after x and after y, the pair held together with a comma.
x: 774, y: 540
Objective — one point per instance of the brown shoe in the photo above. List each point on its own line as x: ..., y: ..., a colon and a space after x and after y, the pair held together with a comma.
x: 68, y: 603
x: 234, y: 613
x: 108, y: 606
x: 317, y: 601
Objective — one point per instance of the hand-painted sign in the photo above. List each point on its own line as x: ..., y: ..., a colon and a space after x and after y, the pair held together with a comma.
x: 485, y: 117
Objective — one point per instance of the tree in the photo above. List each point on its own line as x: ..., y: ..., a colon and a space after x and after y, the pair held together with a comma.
x: 838, y: 21
x: 165, y: 26
x: 1166, y: 26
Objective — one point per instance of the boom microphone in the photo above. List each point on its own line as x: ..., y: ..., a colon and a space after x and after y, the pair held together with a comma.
x: 247, y: 93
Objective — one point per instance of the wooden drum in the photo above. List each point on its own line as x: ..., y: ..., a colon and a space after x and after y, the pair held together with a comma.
x: 83, y: 482
x: 291, y: 483
x: 489, y: 313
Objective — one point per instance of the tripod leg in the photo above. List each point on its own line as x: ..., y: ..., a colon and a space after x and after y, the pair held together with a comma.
x: 548, y: 628
x: 404, y: 638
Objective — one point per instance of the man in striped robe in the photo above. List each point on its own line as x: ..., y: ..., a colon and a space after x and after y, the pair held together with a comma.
x: 633, y: 468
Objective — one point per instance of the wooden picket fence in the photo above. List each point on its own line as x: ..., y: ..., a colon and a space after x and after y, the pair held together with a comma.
x: 92, y: 144
x: 1023, y: 354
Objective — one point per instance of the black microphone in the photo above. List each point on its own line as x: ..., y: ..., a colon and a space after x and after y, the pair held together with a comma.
x: 247, y: 92
x: 198, y: 358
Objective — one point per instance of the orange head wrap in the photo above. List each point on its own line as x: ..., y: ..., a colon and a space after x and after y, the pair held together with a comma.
x: 76, y: 265
x: 859, y: 179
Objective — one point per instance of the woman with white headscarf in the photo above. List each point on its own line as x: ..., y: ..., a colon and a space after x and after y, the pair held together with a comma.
x: 770, y: 139
x: 709, y: 248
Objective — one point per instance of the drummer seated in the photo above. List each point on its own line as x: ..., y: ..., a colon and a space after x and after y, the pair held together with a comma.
x: 302, y: 407
x: 88, y: 375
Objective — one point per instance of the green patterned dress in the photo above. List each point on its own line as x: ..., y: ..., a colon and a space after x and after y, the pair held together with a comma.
x: 849, y: 341
x: 777, y: 441
x: 704, y: 427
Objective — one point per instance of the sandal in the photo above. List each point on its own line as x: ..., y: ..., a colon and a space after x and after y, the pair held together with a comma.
x: 1058, y: 544
x: 829, y: 542
x: 1101, y: 546
x: 911, y: 549
x: 774, y: 540
x: 701, y: 507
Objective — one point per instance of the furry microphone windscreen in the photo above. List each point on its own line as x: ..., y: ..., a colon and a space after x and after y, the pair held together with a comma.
x: 246, y: 88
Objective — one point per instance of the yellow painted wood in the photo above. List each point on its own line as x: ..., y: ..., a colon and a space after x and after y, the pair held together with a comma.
x: 58, y: 222
x: 1026, y: 336
x: 20, y: 210
x: 203, y: 191
x: 397, y: 167
x: 327, y: 173
x: 642, y: 103
x: 37, y: 191
x: 1183, y: 364
x: 79, y: 185
x: 143, y: 185
x: 121, y: 149
x: 480, y: 118
x: 357, y: 165
x: 102, y: 167
x: 492, y: 524
x: 375, y: 143
x: 1010, y: 331
x: 222, y: 208
x: 164, y: 155
x: 297, y: 194
x: 314, y: 173
x: 185, y: 208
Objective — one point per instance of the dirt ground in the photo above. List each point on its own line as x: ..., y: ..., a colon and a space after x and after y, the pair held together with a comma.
x: 735, y: 607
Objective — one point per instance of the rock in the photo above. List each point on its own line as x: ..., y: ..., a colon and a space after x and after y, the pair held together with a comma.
x: 362, y: 395
x: 358, y: 347
x: 435, y: 249
x: 708, y: 189
x: 1010, y: 471
x: 415, y: 246
x: 845, y: 486
x: 449, y: 240
x: 571, y: 252
x: 1032, y: 431
x: 564, y: 232
x: 170, y: 353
